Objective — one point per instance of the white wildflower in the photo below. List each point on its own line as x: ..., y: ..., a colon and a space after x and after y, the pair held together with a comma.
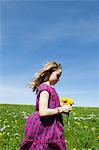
x: 2, y: 129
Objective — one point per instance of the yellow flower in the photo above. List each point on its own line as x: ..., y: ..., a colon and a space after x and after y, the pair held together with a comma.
x: 16, y: 122
x: 66, y: 101
x: 77, y: 123
x: 85, y: 127
x: 74, y: 149
x: 5, y: 122
x: 0, y: 134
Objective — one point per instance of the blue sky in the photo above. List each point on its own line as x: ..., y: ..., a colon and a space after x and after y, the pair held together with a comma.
x: 33, y: 33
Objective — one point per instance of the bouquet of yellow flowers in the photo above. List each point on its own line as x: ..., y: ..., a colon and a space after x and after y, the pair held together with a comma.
x: 67, y: 101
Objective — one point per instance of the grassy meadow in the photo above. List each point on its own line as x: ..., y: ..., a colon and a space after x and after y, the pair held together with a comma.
x: 81, y: 127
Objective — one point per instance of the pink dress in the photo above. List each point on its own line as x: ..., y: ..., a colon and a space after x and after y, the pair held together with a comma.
x: 44, y: 133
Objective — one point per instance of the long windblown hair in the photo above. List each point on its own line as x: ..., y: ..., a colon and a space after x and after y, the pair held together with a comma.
x: 44, y: 74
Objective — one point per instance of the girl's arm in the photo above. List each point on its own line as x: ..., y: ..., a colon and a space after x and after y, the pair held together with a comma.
x: 43, y: 106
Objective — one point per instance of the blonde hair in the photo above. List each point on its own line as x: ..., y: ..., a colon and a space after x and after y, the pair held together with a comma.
x: 44, y: 74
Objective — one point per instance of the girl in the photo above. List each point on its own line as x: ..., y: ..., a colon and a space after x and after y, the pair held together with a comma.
x: 44, y: 128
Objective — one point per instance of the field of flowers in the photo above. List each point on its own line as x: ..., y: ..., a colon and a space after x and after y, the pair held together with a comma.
x: 81, y: 127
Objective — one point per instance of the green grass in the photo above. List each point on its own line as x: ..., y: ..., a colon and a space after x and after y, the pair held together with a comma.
x: 81, y: 128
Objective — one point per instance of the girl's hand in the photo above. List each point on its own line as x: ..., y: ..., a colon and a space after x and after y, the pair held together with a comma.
x: 65, y: 109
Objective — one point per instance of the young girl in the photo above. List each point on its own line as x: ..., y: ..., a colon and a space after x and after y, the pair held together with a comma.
x: 44, y: 128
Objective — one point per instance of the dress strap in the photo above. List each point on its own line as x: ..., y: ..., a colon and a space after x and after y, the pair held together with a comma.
x: 43, y: 87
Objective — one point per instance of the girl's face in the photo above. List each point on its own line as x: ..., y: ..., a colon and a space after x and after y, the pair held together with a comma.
x: 54, y: 77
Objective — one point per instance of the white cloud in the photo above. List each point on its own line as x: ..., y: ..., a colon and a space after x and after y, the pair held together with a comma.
x: 15, y: 95
x: 82, y: 29
x: 82, y: 97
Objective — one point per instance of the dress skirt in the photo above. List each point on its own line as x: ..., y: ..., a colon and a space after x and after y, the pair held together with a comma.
x: 43, y: 133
